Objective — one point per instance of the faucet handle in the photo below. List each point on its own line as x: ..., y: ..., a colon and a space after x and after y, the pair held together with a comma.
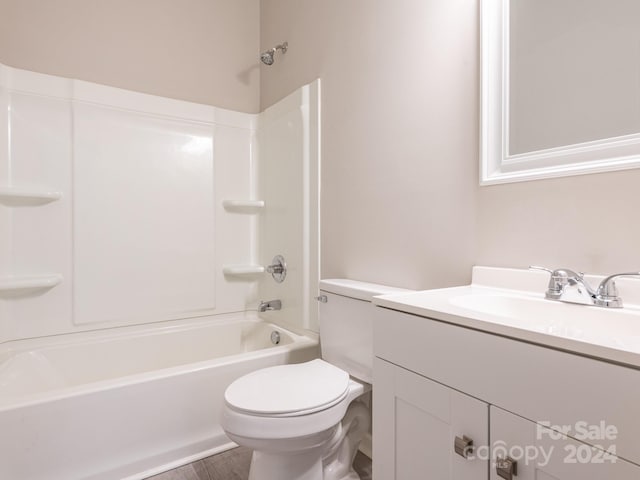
x: 277, y: 269
x: 607, y: 293
x: 544, y: 269
x: 556, y: 282
x: 560, y: 278
x: 560, y: 274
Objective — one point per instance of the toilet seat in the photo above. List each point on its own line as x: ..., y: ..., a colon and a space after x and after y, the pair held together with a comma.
x: 289, y: 390
x: 244, y: 427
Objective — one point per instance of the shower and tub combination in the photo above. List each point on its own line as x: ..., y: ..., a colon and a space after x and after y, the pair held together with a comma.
x: 138, y: 241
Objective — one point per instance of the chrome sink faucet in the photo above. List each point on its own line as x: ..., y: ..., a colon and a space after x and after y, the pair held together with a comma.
x: 568, y: 286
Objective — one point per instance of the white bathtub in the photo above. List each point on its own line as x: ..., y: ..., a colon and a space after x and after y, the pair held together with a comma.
x: 130, y: 402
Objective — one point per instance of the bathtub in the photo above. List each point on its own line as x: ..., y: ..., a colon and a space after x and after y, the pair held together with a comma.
x: 131, y: 402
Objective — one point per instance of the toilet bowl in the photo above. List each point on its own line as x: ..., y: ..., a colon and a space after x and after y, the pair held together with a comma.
x: 304, y: 421
x: 299, y: 437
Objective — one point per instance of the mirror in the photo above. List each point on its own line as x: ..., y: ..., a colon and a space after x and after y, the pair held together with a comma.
x: 560, y: 88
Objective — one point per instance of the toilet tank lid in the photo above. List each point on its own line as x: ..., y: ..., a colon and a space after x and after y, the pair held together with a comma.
x: 357, y: 289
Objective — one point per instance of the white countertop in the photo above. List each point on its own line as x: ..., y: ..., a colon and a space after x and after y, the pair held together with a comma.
x: 522, y: 313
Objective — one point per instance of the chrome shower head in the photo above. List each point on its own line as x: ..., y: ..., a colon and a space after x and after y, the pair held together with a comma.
x: 268, y: 57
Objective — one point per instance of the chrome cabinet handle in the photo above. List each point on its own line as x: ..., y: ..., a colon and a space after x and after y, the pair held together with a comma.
x: 507, y: 468
x: 463, y: 446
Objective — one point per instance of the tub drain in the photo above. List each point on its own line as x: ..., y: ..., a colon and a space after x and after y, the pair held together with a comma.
x: 275, y: 337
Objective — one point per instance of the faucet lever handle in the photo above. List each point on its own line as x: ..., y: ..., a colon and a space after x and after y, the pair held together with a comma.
x: 559, y: 279
x: 607, y: 293
x: 559, y: 272
x: 544, y: 269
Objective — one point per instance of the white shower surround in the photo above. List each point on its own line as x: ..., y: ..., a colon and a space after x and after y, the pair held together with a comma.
x: 132, y: 224
x: 139, y: 233
x: 119, y: 217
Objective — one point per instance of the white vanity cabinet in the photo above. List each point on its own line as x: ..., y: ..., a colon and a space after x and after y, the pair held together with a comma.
x: 419, y: 423
x: 435, y: 381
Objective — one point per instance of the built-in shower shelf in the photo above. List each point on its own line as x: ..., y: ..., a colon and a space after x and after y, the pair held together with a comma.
x: 242, y: 269
x: 27, y: 196
x: 30, y: 282
x: 243, y: 206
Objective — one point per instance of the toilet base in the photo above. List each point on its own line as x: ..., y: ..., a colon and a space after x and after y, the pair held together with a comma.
x: 328, y: 455
x: 288, y: 459
x: 342, y: 449
x: 303, y: 466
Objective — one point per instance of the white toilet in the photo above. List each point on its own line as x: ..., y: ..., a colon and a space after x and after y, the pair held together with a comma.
x: 300, y: 419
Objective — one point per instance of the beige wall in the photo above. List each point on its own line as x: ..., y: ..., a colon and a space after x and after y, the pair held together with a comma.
x: 400, y: 197
x: 399, y: 130
x: 203, y: 51
x: 588, y: 223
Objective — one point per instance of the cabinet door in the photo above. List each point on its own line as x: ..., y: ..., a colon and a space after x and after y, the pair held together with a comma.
x: 415, y: 425
x: 542, y: 454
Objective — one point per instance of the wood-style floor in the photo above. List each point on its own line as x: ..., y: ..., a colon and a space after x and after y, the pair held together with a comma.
x: 234, y: 465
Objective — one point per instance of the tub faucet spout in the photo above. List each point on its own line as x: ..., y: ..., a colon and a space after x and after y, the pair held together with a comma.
x: 270, y: 305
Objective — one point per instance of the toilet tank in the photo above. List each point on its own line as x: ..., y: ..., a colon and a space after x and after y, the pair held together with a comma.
x: 346, y: 324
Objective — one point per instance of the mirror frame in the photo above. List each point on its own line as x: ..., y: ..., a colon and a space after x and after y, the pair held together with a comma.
x: 496, y: 165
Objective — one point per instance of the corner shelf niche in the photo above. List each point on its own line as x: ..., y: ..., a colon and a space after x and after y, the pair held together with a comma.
x: 17, y: 196
x: 28, y: 282
x: 243, y: 206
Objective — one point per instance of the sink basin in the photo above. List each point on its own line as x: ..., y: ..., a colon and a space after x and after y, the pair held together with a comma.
x: 523, y: 313
x: 618, y: 328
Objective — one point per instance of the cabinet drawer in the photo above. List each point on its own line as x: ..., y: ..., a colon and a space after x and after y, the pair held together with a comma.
x: 541, y: 384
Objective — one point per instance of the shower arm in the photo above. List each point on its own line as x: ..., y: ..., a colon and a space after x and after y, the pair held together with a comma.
x: 283, y: 46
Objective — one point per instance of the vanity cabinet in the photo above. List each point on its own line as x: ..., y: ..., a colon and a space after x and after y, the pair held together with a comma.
x: 435, y: 381
x: 420, y: 423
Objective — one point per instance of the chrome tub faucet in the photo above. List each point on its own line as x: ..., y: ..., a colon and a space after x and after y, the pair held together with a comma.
x: 269, y: 306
